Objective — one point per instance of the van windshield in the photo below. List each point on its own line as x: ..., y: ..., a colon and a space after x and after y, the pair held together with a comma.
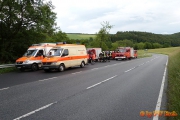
x: 30, y: 53
x: 55, y: 52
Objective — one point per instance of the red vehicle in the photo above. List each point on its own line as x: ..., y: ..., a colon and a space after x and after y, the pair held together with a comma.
x: 123, y: 53
x: 135, y: 54
x: 95, y: 52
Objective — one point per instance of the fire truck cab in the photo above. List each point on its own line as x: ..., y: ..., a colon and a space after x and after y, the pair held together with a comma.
x: 124, y: 53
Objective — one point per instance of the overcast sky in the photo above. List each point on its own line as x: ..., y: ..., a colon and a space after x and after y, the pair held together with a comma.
x: 86, y: 16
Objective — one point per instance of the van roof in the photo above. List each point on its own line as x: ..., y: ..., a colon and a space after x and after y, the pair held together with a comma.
x: 68, y: 45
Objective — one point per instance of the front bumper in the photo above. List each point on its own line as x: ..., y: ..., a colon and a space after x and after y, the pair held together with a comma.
x: 47, y: 67
x: 24, y: 66
x: 120, y: 57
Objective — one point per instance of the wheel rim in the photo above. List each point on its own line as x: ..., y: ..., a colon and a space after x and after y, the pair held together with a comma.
x: 82, y: 64
x: 61, y: 68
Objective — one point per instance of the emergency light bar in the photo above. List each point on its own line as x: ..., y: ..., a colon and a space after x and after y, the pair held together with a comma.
x: 58, y: 43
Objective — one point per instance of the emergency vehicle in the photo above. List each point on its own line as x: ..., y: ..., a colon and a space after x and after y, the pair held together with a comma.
x: 123, y: 53
x: 95, y: 51
x: 135, y: 54
x: 63, y: 56
x: 32, y: 59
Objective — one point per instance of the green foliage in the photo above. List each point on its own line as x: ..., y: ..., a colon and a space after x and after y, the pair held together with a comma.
x: 22, y: 23
x: 102, y: 38
x: 140, y: 45
x: 137, y: 37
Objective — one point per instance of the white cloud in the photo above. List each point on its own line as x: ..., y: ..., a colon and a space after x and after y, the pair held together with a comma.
x: 85, y: 16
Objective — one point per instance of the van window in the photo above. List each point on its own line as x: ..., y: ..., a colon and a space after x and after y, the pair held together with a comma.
x: 66, y: 52
x: 55, y: 52
x: 41, y: 51
x: 30, y: 53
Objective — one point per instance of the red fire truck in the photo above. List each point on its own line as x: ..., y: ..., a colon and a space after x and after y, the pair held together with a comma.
x: 123, y: 53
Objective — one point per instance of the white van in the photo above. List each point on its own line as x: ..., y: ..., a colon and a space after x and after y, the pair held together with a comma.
x: 63, y: 56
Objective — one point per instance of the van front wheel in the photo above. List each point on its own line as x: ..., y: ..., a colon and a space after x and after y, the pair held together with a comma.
x: 61, y: 68
x: 82, y: 64
x: 34, y: 67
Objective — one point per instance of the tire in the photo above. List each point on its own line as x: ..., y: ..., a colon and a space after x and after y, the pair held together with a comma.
x: 82, y: 64
x: 34, y: 67
x: 61, y: 68
x: 46, y: 70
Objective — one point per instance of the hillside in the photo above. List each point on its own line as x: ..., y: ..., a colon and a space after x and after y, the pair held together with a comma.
x: 137, y: 37
x: 79, y: 36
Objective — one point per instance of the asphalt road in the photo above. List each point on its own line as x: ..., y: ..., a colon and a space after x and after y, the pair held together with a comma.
x: 116, y: 90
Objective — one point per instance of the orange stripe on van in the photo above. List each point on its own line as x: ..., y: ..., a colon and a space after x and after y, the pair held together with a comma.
x: 56, y: 59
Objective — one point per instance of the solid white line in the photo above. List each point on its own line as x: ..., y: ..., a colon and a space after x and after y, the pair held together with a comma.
x: 76, y: 72
x: 30, y: 113
x: 47, y: 79
x: 101, y: 82
x: 4, y: 88
x: 158, y: 105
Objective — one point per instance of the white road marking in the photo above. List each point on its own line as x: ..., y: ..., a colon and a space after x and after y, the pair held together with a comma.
x: 4, y: 88
x: 141, y: 64
x: 94, y: 68
x: 130, y: 69
x: 30, y: 113
x: 158, y: 105
x: 47, y: 79
x: 76, y: 72
x: 101, y: 82
x: 107, y: 65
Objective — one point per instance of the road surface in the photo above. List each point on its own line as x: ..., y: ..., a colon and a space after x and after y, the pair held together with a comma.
x: 116, y: 90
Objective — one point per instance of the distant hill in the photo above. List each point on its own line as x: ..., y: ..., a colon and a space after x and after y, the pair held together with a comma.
x: 137, y: 36
x: 79, y: 36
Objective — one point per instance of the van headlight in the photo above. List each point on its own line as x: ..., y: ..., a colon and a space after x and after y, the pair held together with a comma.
x: 53, y: 63
x: 27, y: 61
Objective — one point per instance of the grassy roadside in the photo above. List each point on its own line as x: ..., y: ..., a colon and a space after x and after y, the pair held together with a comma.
x: 173, y: 91
x: 6, y: 70
x: 143, y: 53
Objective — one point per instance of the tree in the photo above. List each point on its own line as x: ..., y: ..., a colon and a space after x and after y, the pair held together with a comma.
x: 140, y: 45
x: 102, y: 38
x: 22, y: 23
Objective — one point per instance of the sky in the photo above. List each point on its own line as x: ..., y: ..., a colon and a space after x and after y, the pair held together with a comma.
x: 86, y: 16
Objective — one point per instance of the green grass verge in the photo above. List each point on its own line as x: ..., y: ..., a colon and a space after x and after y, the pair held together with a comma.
x: 173, y: 90
x: 6, y: 70
x: 143, y: 53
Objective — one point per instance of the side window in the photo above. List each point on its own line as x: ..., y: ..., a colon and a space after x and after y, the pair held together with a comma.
x: 39, y: 53
x: 66, y: 52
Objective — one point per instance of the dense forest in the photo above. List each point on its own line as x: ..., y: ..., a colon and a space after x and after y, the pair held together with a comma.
x: 137, y: 37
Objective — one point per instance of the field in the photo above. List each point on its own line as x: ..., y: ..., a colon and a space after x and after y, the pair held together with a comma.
x: 80, y: 36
